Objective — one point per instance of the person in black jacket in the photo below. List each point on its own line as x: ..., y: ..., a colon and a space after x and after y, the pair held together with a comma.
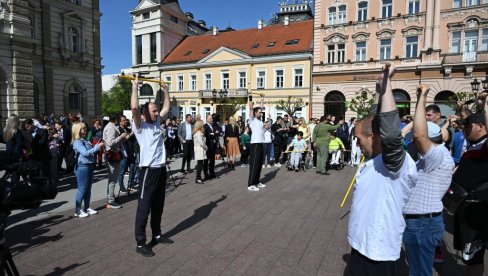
x: 212, y: 135
x: 279, y: 139
x: 40, y: 146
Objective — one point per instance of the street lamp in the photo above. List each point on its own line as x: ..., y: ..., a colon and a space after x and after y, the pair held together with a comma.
x: 475, y: 85
x: 222, y: 96
x: 485, y: 84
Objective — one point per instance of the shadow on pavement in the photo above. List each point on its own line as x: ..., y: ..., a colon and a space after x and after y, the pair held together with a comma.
x: 13, y: 219
x: 24, y: 236
x: 199, y: 214
x: 61, y: 271
x: 269, y: 176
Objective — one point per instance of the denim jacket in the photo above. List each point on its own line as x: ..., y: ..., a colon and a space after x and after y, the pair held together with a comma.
x: 85, y: 151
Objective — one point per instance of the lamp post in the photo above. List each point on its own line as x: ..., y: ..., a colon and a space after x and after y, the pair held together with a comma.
x: 222, y: 96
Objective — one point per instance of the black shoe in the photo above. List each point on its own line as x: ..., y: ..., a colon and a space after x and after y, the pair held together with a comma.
x: 182, y: 171
x: 145, y: 250
x: 326, y: 173
x: 161, y: 239
x: 198, y: 181
x: 212, y: 176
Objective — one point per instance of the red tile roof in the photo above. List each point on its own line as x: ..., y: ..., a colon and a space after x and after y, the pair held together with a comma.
x: 243, y: 40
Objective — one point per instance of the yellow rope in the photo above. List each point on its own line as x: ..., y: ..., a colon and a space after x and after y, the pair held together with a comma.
x: 352, y: 183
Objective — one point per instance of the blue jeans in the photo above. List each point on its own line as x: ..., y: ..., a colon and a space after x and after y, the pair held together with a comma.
x: 420, y: 238
x: 84, y: 178
x: 120, y: 178
x: 132, y: 174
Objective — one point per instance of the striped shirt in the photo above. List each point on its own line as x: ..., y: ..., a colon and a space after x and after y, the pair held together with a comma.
x: 434, y: 178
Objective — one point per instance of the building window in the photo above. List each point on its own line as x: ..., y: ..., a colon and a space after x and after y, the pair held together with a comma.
x: 208, y: 81
x: 173, y: 19
x: 193, y: 112
x: 168, y: 80
x: 413, y: 6
x: 362, y: 11
x: 225, y: 80
x: 292, y: 42
x: 193, y: 82
x: 361, y: 51
x: 298, y: 77
x: 242, y: 80
x: 180, y: 83
x: 74, y: 97
x: 456, y: 42
x: 146, y: 15
x: 332, y: 15
x: 146, y: 90
x: 472, y: 2
x: 342, y: 14
x: 261, y: 80
x: 470, y: 41
x: 74, y: 39
x: 484, y: 40
x: 279, y: 78
x: 411, y: 46
x: 385, y: 49
x: 386, y: 8
x: 336, y: 50
x: 456, y: 4
x: 152, y: 37
x: 138, y: 49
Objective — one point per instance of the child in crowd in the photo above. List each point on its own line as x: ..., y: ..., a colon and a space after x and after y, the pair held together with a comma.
x: 299, y: 147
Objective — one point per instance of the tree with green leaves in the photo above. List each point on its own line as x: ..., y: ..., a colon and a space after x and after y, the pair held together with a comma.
x: 361, y: 104
x: 290, y: 105
x: 117, y: 98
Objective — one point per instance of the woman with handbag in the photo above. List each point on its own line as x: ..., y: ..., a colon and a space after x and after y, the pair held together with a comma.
x: 200, y: 148
x: 86, y: 158
x: 231, y: 137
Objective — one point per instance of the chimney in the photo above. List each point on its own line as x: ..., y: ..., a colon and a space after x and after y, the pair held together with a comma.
x: 215, y: 31
x: 286, y: 20
x: 260, y: 24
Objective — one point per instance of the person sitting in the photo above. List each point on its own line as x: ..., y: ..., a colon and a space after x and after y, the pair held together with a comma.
x: 299, y: 147
x: 335, y: 146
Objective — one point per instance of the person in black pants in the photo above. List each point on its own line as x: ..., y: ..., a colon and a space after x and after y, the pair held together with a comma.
x: 279, y: 139
x: 256, y: 147
x: 211, y: 136
x: 153, y: 170
x: 185, y: 136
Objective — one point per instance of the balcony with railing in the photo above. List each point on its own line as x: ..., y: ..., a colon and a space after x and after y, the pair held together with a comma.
x: 466, y: 57
x: 232, y: 93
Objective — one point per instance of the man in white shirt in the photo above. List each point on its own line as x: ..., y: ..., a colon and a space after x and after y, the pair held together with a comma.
x: 256, y: 147
x: 383, y: 186
x: 423, y: 211
x: 153, y: 170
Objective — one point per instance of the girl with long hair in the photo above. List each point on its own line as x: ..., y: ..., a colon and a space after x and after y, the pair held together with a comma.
x: 84, y: 167
x: 200, y: 148
x: 13, y: 137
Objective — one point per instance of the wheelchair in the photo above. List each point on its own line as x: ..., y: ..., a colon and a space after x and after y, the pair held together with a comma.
x: 341, y: 164
x: 301, y: 163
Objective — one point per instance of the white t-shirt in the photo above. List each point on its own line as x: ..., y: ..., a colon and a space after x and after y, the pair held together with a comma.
x: 376, y: 222
x: 267, y: 136
x: 151, y: 142
x: 257, y: 129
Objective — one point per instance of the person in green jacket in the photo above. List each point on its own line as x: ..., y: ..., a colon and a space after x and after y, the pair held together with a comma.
x: 245, y: 143
x: 321, y: 136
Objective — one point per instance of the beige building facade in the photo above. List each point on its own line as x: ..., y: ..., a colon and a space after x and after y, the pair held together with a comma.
x: 443, y: 44
x: 50, y: 57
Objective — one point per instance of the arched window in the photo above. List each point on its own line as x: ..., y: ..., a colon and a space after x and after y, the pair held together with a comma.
x: 74, y: 96
x: 334, y: 104
x: 73, y: 39
x: 146, y: 90
x: 402, y: 101
x: 442, y: 100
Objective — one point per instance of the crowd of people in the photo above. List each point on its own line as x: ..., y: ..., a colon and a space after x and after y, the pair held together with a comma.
x: 406, y: 166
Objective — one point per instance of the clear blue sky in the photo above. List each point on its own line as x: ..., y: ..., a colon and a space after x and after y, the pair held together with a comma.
x: 116, y: 23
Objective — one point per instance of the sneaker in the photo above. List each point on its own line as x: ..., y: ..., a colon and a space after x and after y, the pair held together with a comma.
x: 278, y: 165
x: 90, y: 211
x: 268, y: 166
x: 252, y: 188
x: 470, y: 250
x: 145, y: 250
x: 243, y: 165
x: 161, y: 239
x: 123, y: 190
x: 264, y: 166
x: 260, y: 185
x: 81, y: 214
x: 113, y: 205
x: 132, y: 190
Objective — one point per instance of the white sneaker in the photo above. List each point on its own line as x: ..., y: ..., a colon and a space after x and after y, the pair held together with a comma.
x: 90, y: 211
x: 243, y: 166
x: 268, y: 166
x: 264, y: 166
x: 81, y: 214
x: 278, y: 165
x: 260, y: 185
x: 252, y: 188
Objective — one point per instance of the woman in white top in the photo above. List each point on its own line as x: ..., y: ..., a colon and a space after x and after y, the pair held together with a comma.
x: 200, y: 148
x: 267, y: 145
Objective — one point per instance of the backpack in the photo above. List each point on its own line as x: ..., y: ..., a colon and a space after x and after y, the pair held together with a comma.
x: 343, y: 133
x: 71, y: 158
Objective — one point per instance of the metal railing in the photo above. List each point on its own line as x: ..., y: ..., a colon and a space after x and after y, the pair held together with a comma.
x: 232, y: 93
